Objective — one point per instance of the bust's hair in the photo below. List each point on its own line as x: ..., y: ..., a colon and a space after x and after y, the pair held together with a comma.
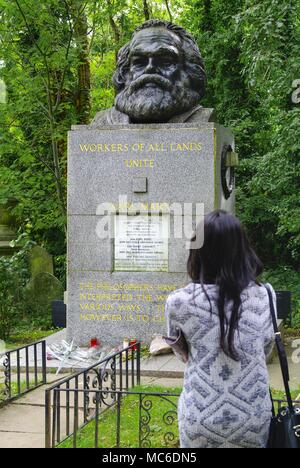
x: 193, y: 62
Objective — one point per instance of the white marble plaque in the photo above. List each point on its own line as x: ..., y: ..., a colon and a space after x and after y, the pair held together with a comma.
x: 142, y: 243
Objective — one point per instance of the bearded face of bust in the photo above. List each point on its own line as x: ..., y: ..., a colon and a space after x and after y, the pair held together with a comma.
x: 159, y: 75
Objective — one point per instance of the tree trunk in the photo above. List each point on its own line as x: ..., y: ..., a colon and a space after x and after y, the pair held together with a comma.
x: 113, y: 24
x: 83, y: 100
x: 207, y: 20
x: 146, y: 10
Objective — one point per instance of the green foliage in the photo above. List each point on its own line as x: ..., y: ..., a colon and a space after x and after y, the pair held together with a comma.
x: 102, y: 89
x: 287, y: 279
x: 40, y: 52
x: 8, y: 310
x: 269, y: 202
x: 13, y: 277
x: 60, y: 264
x: 251, y: 50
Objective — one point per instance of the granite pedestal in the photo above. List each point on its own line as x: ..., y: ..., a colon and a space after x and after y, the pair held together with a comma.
x: 117, y: 287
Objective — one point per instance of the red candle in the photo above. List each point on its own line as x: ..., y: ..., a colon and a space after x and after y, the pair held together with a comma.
x: 94, y: 343
x: 133, y: 344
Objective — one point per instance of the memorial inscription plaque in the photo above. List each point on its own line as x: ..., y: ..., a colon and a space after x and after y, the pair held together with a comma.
x: 141, y: 243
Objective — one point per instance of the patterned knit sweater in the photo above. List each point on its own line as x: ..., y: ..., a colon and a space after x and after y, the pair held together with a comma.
x: 224, y: 403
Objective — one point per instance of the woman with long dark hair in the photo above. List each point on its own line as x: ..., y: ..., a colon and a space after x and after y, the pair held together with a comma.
x: 224, y: 315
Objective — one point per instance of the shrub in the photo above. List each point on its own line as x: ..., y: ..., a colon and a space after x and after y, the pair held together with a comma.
x: 286, y: 278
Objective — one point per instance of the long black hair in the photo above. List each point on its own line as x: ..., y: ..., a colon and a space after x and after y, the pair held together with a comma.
x: 227, y: 260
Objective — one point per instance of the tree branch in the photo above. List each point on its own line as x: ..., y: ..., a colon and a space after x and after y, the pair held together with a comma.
x: 112, y: 23
x: 169, y: 10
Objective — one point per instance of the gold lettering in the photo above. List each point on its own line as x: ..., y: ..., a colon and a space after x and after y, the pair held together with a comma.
x: 162, y: 298
x: 138, y: 147
x: 84, y: 148
x: 116, y: 318
x: 139, y: 163
x: 144, y: 298
x: 94, y: 306
x: 158, y: 318
x: 105, y: 148
x: 157, y: 147
x: 129, y: 308
x: 143, y: 318
x: 120, y: 301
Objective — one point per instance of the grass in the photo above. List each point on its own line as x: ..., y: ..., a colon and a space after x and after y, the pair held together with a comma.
x: 130, y: 423
x: 14, y: 389
x: 28, y: 331
x: 24, y: 337
x: 291, y: 333
x: 280, y: 395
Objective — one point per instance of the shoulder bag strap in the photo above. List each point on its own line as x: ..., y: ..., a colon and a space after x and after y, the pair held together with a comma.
x: 281, y: 353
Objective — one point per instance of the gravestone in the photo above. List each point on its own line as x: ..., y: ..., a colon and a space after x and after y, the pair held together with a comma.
x: 139, y: 179
x: 42, y: 289
x: 7, y: 232
x: 40, y: 261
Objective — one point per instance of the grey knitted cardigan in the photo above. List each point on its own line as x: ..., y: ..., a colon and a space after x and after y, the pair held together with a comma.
x: 224, y: 403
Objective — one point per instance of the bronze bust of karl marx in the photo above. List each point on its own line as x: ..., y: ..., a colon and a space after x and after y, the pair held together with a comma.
x: 160, y: 78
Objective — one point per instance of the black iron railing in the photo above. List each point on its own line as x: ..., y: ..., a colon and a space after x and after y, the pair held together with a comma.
x: 155, y: 416
x: 22, y: 370
x: 70, y: 404
x: 278, y: 404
